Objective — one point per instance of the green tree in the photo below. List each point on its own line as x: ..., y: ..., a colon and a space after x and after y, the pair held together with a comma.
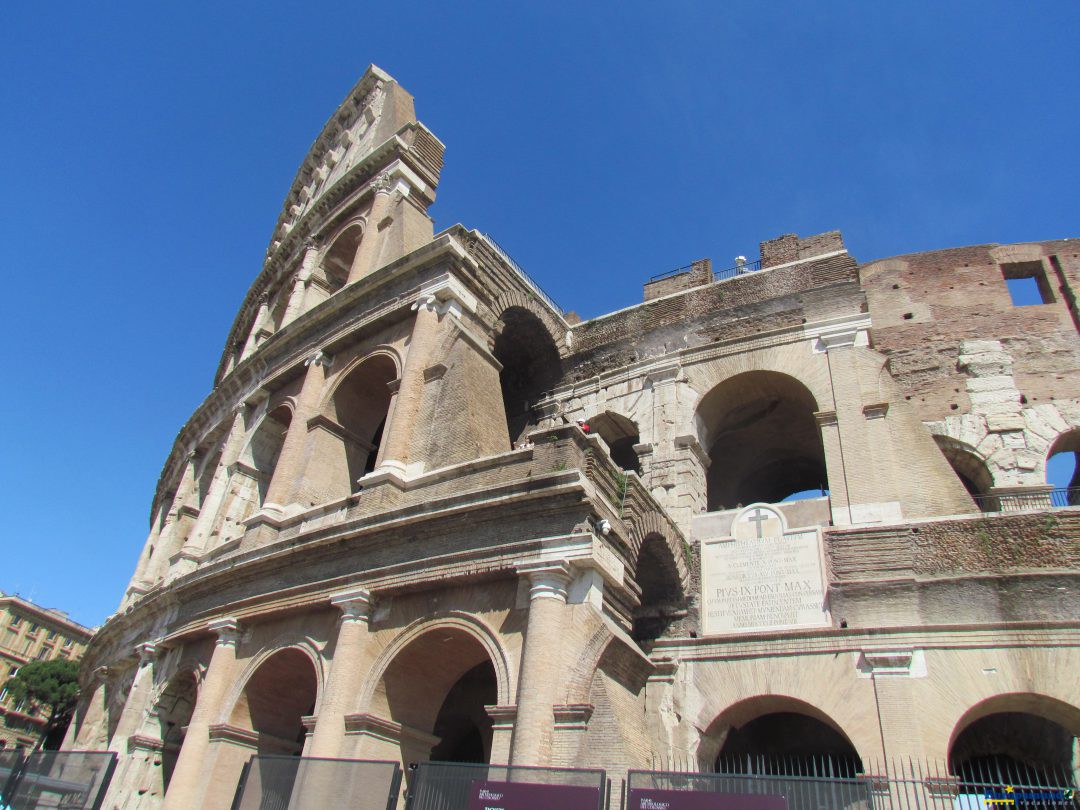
x: 51, y: 687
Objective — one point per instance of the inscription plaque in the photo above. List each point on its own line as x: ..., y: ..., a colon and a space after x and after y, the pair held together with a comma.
x: 763, y: 577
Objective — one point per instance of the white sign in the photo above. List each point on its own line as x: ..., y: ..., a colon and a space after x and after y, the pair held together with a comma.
x: 763, y: 577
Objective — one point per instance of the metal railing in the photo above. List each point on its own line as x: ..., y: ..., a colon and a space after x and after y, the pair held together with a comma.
x: 670, y: 273
x: 536, y: 288
x: 311, y: 783
x: 841, y: 783
x: 1020, y: 501
x: 738, y: 270
x: 73, y: 780
x: 458, y: 786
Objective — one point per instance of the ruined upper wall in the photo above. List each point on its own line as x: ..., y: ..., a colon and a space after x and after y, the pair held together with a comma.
x: 731, y: 309
x: 925, y: 307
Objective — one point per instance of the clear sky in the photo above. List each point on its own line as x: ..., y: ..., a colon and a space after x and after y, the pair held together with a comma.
x: 146, y: 149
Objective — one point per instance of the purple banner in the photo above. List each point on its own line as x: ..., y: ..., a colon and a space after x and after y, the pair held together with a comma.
x: 641, y: 799
x: 526, y: 796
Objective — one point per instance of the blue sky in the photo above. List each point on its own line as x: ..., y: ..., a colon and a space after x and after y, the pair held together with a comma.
x: 146, y: 149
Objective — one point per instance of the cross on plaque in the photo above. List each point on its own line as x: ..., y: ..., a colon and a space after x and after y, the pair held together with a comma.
x: 757, y: 517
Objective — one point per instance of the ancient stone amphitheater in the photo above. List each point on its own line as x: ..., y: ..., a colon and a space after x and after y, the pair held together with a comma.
x: 424, y: 514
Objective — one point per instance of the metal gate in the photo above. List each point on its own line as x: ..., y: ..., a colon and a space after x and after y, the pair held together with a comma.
x: 459, y: 786
x: 309, y: 783
x: 74, y: 780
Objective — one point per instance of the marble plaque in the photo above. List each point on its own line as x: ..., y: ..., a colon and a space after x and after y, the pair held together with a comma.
x: 763, y: 577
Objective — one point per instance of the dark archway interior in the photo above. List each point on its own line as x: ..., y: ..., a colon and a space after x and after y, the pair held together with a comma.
x: 969, y: 468
x: 762, y: 439
x: 620, y: 434
x: 788, y: 742
x: 662, y: 597
x: 361, y: 404
x: 531, y: 367
x: 174, y: 710
x: 339, y: 258
x: 463, y: 723
x: 266, y: 446
x: 1014, y: 748
x: 276, y: 698
x: 439, y: 684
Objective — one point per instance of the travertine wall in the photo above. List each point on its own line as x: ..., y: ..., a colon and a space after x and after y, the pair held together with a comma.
x: 278, y: 555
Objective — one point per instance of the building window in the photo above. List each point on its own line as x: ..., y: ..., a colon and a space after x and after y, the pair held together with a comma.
x: 1027, y: 284
x: 16, y: 621
x: 68, y: 642
x: 51, y: 635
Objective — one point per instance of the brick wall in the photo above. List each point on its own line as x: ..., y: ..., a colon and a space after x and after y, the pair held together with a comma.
x: 700, y: 272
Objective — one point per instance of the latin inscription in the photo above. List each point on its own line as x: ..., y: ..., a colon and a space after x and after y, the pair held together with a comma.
x: 762, y: 583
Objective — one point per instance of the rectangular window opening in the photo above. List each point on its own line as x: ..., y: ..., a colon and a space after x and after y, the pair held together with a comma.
x: 1027, y: 284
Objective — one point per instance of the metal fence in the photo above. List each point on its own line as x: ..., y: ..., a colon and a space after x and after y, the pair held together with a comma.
x: 831, y: 783
x: 458, y: 786
x: 309, y: 783
x: 742, y: 268
x: 72, y: 780
x: 1020, y: 501
x: 797, y: 792
x: 974, y: 785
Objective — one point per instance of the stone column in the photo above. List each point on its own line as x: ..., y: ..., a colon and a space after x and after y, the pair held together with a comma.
x: 261, y: 319
x: 135, y: 705
x: 291, y: 461
x: 189, y: 778
x: 346, y: 672
x: 295, y: 308
x: 209, y: 516
x: 366, y: 253
x: 537, y: 680
x: 399, y: 431
x: 91, y: 734
x: 172, y: 536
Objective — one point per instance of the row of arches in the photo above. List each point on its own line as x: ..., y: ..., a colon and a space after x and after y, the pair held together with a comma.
x: 435, y: 684
x: 440, y: 684
x: 1062, y: 467
x: 1019, y: 738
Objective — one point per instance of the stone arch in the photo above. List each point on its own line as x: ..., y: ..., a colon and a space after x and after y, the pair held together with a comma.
x: 263, y: 447
x: 649, y: 524
x: 514, y: 299
x: 351, y: 424
x: 759, y: 429
x: 531, y: 366
x: 767, y: 728
x: 968, y: 463
x: 172, y: 710
x: 432, y: 685
x: 278, y: 688
x: 663, y: 593
x: 621, y: 434
x: 1068, y: 442
x: 1023, y: 736
x: 336, y: 259
x: 457, y: 620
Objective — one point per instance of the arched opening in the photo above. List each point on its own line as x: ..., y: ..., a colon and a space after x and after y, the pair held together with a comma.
x: 530, y: 367
x: 662, y: 599
x: 1063, y: 468
x: 779, y: 735
x: 1019, y: 740
x: 360, y: 406
x: 967, y: 464
x: 437, y: 689
x: 173, y: 711
x: 276, y: 698
x: 763, y: 442
x: 265, y: 446
x: 338, y: 259
x: 621, y: 434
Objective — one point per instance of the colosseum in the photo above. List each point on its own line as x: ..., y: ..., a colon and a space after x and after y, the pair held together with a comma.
x: 797, y: 509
